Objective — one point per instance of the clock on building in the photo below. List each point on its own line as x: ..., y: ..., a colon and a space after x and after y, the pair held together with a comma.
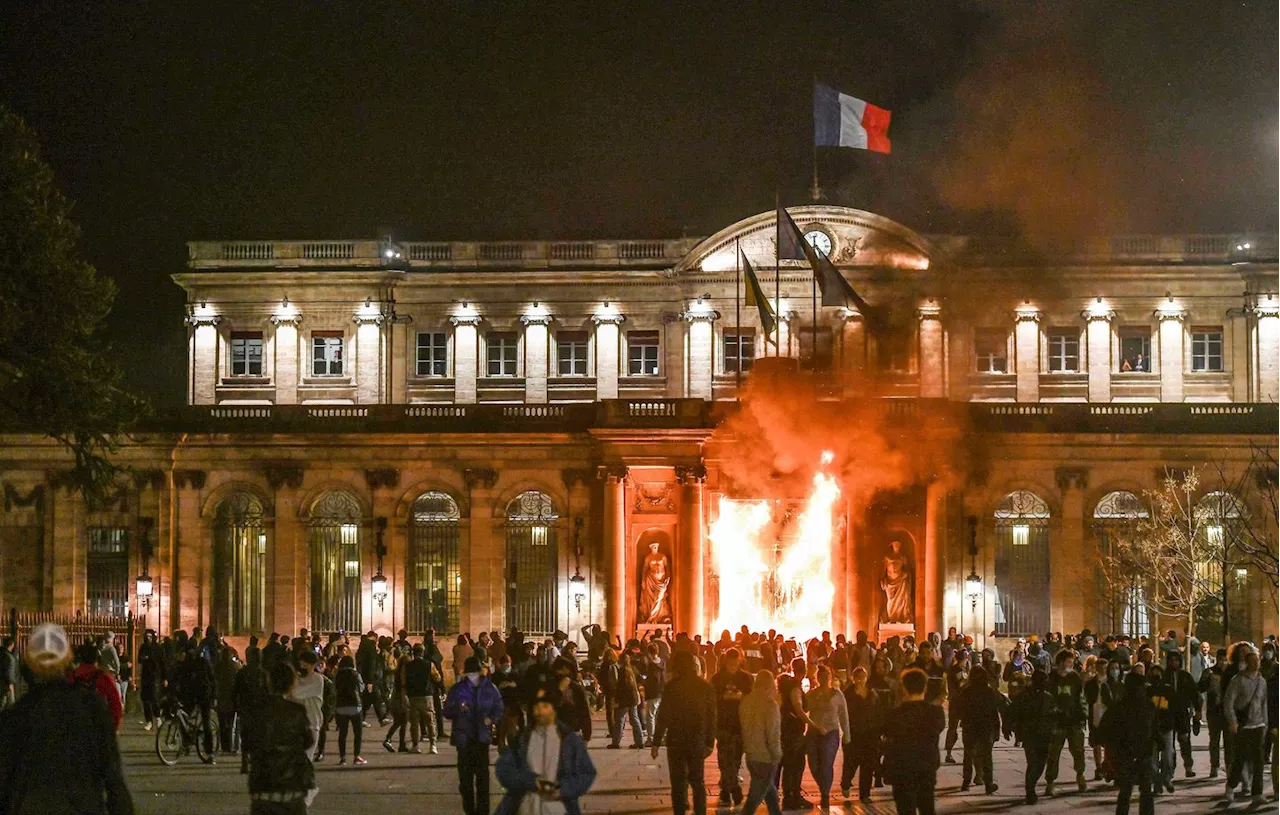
x: 819, y: 240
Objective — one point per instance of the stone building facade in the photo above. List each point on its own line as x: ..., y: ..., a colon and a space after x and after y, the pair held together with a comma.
x: 497, y: 432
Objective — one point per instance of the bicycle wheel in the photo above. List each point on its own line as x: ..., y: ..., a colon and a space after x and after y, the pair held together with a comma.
x: 198, y: 733
x: 169, y: 741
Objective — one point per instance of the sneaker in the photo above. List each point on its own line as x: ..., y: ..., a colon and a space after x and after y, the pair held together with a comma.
x: 1031, y: 798
x: 1258, y: 800
x: 1229, y: 797
x: 1168, y: 785
x: 342, y: 762
x: 992, y: 788
x: 319, y: 758
x: 147, y: 726
x: 433, y: 750
x: 383, y: 722
x: 365, y: 724
x: 1083, y: 785
x: 403, y: 749
x: 359, y: 762
x: 1048, y: 790
x: 1213, y: 772
x: 950, y: 759
x: 844, y: 793
x: 964, y: 787
x: 417, y: 751
x: 386, y: 745
x: 1191, y: 773
x: 613, y: 747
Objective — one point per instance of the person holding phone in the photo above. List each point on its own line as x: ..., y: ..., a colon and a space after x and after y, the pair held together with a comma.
x: 547, y: 769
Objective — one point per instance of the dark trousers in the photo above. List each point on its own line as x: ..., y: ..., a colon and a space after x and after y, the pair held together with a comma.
x: 298, y: 807
x: 977, y: 759
x: 1037, y: 754
x: 914, y: 796
x: 1073, y: 739
x: 1218, y: 733
x: 150, y: 702
x: 953, y: 731
x: 399, y: 720
x: 685, y: 767
x: 473, y: 778
x: 354, y: 722
x: 377, y: 702
x: 861, y: 756
x: 324, y: 735
x: 227, y: 731
x: 822, y: 761
x: 1247, y: 750
x: 762, y: 789
x: 1131, y: 771
x: 1168, y: 743
x: 729, y: 761
x: 793, y: 756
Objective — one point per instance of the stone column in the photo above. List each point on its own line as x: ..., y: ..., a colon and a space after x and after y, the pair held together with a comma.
x: 1171, y: 346
x: 203, y: 371
x: 607, y: 368
x: 465, y: 358
x: 484, y: 589
x: 287, y: 371
x: 1098, y: 349
x: 701, y: 361
x: 784, y: 333
x: 189, y: 589
x: 368, y: 358
x: 289, y: 608
x: 1026, y: 353
x: 932, y: 375
x: 691, y: 555
x: 935, y: 553
x: 615, y: 541
x: 382, y: 483
x: 1070, y: 579
x: 853, y: 342
x: 1266, y: 330
x: 398, y: 360
x: 857, y: 604
x: 535, y: 358
x: 66, y: 518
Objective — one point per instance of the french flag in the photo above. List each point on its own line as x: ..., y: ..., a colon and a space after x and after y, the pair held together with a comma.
x: 839, y: 120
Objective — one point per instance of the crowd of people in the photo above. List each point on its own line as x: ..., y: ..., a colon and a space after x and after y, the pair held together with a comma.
x: 892, y: 713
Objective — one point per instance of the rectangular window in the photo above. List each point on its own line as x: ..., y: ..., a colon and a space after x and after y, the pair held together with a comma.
x: 1064, y: 351
x: 571, y: 353
x: 503, y: 354
x: 107, y: 571
x: 326, y: 353
x: 1135, y: 350
x: 1206, y: 349
x: 642, y: 353
x: 739, y: 350
x: 991, y: 351
x: 246, y: 353
x: 433, y: 353
x: 818, y: 356
x: 893, y: 352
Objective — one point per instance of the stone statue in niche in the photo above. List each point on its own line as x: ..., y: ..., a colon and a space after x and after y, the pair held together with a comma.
x: 655, y: 594
x: 897, y: 582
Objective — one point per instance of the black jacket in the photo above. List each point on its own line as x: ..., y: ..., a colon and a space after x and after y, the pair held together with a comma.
x: 348, y: 686
x: 1068, y: 693
x: 911, y: 741
x: 1033, y: 714
x: 978, y: 709
x: 58, y: 753
x: 1128, y: 728
x: 687, y: 715
x: 281, y: 762
x: 866, y: 715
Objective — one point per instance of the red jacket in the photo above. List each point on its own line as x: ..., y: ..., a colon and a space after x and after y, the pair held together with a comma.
x: 103, y: 684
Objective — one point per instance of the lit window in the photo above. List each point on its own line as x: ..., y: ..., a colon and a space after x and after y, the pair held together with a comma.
x: 1021, y: 534
x: 1215, y: 535
x: 503, y: 351
x: 571, y: 353
x: 1206, y: 349
x: 538, y: 535
x: 326, y: 353
x: 642, y: 353
x: 1135, y: 350
x: 262, y: 543
x: 1064, y: 351
x: 991, y: 351
x: 353, y: 568
x: 349, y: 534
x: 246, y: 354
x: 433, y: 353
x: 739, y: 351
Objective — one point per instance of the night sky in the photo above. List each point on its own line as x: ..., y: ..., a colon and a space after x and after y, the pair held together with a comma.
x: 168, y: 122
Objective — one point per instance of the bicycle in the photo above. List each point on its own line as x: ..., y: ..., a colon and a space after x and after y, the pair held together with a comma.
x: 181, y: 728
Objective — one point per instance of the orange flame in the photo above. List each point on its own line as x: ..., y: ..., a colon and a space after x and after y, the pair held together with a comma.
x: 797, y: 595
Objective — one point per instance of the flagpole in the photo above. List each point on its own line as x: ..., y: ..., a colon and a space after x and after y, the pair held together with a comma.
x: 816, y: 192
x: 737, y: 312
x: 777, y: 274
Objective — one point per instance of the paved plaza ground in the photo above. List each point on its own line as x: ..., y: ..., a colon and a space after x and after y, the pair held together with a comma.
x: 629, y: 781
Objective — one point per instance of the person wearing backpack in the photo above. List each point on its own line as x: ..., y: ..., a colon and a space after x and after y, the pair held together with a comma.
x: 348, y: 687
x: 1245, y: 706
x: 101, y: 682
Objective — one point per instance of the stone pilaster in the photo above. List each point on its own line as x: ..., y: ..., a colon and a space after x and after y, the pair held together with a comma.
x: 287, y: 370
x: 607, y: 368
x: 190, y: 580
x: 1171, y: 347
x: 853, y: 342
x: 535, y: 358
x: 290, y: 599
x: 1026, y: 353
x: 484, y: 590
x: 690, y: 570
x: 465, y: 358
x: 617, y: 600
x: 204, y: 358
x: 932, y: 363
x: 1098, y: 350
x: 701, y: 360
x: 935, y: 553
x: 1070, y: 576
x: 1266, y: 330
x: 368, y: 357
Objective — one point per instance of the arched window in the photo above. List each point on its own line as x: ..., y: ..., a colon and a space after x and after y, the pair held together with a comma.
x: 532, y: 563
x: 239, y: 565
x: 434, y: 597
x: 1218, y: 516
x: 1122, y: 604
x: 336, y: 531
x: 1022, y: 564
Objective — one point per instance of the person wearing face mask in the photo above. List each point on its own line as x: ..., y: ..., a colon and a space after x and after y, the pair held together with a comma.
x: 1096, y: 669
x: 978, y: 708
x: 1126, y: 731
x: 473, y: 706
x: 547, y: 769
x: 1068, y: 692
x: 1211, y: 688
x: 1183, y: 703
x: 1031, y: 717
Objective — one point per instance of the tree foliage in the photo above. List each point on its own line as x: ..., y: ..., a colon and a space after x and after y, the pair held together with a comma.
x: 1253, y: 535
x: 58, y: 376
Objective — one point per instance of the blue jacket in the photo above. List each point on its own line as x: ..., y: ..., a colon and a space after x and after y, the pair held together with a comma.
x: 575, y: 773
x: 483, y: 702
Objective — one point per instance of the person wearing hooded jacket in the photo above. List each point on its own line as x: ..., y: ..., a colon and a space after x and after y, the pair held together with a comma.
x: 473, y: 707
x: 1127, y: 729
x: 1033, y: 714
x: 58, y: 749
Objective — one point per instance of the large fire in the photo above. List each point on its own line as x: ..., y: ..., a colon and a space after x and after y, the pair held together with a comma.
x: 764, y: 584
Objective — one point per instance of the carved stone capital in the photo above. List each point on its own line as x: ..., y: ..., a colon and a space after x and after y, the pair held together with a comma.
x: 612, y: 472
x: 691, y: 473
x: 294, y: 319
x: 576, y: 475
x: 1026, y: 314
x: 535, y: 319
x: 1265, y: 305
x: 1067, y: 477
x: 368, y: 319
x: 197, y: 320
x: 485, y: 477
x: 608, y: 319
x: 388, y: 477
x: 465, y: 319
x: 701, y: 316
x: 1092, y: 315
x: 195, y: 479
x: 1170, y: 313
x: 284, y: 474
x: 929, y: 311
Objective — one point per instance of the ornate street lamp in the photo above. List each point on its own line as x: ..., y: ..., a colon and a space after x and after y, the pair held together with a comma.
x: 577, y: 583
x: 379, y: 582
x: 973, y: 583
x: 144, y: 586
